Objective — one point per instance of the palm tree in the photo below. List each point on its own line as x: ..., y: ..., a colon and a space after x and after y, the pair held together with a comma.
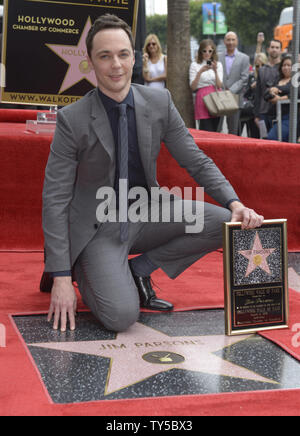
x: 179, y: 58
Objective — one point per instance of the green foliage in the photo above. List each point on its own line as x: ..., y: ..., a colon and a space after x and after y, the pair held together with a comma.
x: 248, y: 17
x: 196, y: 19
x: 157, y: 24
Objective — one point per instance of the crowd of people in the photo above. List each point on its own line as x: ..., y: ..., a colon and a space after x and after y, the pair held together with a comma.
x: 257, y: 88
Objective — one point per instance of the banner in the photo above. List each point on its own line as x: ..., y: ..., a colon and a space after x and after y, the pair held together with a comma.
x: 214, y: 21
x: 208, y: 19
x: 44, y: 57
x: 222, y: 28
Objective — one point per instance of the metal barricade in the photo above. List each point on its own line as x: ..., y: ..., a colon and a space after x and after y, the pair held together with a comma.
x: 279, y: 116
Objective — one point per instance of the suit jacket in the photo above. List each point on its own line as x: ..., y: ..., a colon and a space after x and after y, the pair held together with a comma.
x: 82, y: 159
x: 238, y: 77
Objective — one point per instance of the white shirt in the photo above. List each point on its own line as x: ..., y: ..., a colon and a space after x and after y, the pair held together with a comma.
x: 207, y: 78
x: 156, y: 70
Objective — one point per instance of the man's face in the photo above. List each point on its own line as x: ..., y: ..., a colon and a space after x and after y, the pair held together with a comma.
x: 274, y: 50
x: 231, y: 41
x: 112, y: 59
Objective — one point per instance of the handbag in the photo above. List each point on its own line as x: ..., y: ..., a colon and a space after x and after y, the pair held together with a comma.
x: 221, y: 103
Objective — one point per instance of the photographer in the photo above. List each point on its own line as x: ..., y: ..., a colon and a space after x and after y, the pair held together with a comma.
x: 281, y: 91
x: 205, y: 76
x: 267, y: 75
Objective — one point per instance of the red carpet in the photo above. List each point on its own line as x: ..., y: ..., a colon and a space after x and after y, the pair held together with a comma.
x: 289, y: 339
x: 266, y: 177
x: 21, y: 392
x: 199, y: 287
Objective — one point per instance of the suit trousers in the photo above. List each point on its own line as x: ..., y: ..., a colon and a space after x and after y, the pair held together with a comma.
x: 233, y: 123
x: 102, y: 270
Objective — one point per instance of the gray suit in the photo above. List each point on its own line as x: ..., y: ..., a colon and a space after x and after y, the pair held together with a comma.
x: 82, y: 159
x: 235, y: 81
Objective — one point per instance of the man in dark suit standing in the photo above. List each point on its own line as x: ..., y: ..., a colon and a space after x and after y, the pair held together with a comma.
x: 87, y: 159
x: 268, y: 76
x: 236, y: 71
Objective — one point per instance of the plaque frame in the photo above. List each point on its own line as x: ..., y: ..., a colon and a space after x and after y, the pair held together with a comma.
x: 235, y: 288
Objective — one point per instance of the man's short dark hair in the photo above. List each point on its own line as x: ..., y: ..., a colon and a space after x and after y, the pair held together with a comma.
x: 104, y: 22
x: 275, y: 40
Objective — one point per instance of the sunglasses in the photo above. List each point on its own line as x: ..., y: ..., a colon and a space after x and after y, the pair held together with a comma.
x: 152, y: 43
x: 207, y: 51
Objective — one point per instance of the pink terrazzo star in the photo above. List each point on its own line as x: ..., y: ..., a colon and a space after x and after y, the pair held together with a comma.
x: 257, y: 256
x: 128, y: 351
x: 76, y: 57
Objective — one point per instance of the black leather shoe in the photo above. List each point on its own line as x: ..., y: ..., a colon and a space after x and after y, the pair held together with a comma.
x: 46, y: 282
x: 148, y: 297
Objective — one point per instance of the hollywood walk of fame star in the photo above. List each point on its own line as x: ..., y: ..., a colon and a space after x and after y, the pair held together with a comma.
x: 76, y: 57
x: 142, y: 352
x: 257, y: 256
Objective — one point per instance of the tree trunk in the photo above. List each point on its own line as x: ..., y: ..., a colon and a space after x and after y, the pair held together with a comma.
x: 179, y: 58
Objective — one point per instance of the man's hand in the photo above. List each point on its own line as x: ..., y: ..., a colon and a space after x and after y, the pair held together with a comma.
x: 63, y: 303
x: 248, y: 217
x: 274, y: 90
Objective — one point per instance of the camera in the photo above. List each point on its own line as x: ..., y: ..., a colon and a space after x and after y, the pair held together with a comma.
x: 268, y: 95
x: 209, y: 62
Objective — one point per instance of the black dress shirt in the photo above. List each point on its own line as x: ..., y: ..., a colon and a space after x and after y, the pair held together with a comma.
x: 136, y: 172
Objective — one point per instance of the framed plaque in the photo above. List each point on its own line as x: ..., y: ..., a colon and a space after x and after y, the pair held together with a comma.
x: 44, y: 57
x: 255, y: 277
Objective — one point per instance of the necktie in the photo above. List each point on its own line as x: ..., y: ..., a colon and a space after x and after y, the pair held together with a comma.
x: 123, y: 171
